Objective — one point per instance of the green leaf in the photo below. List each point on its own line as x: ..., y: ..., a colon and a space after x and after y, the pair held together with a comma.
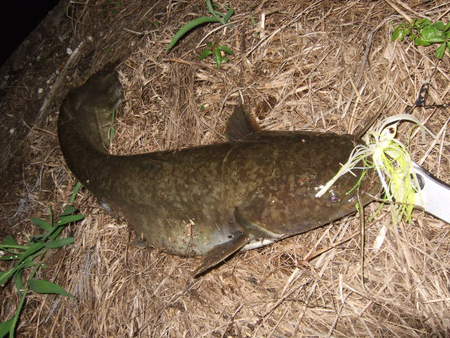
x: 188, y: 27
x: 39, y: 238
x: 46, y: 287
x: 205, y: 53
x: 211, y: 10
x: 16, y: 317
x: 9, y: 257
x: 8, y: 248
x: 28, y: 263
x: 440, y: 51
x: 6, y: 327
x: 18, y: 279
x: 69, y: 210
x: 432, y: 35
x: 5, y: 276
x: 111, y: 133
x: 227, y: 50
x: 33, y: 248
x: 421, y: 42
x: 58, y: 243
x: 420, y: 23
x: 75, y: 192
x: 9, y: 240
x: 42, y: 224
x: 400, y: 33
x: 440, y: 26
x: 25, y: 261
x: 70, y: 219
x: 397, y: 34
x: 227, y: 16
x: 11, y: 246
x: 217, y: 57
x: 222, y: 17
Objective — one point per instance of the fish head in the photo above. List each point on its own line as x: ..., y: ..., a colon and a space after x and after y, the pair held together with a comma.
x: 278, y: 214
x: 284, y: 203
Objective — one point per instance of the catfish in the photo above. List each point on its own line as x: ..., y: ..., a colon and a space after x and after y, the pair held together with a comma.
x: 212, y: 200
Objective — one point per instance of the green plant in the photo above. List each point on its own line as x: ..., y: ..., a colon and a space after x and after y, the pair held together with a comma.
x: 217, y: 17
x: 29, y: 259
x: 112, y: 130
x: 219, y: 52
x: 114, y: 6
x: 424, y: 32
x: 392, y: 163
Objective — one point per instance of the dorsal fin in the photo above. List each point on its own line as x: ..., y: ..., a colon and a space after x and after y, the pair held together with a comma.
x: 240, y: 125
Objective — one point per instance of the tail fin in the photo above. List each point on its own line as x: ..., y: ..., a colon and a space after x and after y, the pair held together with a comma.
x: 86, y: 113
x: 83, y: 125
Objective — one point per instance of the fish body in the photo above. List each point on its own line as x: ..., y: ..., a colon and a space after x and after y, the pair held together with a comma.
x: 210, y: 200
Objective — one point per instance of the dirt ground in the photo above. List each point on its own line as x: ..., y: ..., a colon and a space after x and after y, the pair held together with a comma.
x: 319, y: 65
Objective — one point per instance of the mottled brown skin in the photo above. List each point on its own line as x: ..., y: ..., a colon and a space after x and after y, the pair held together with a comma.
x: 212, y: 200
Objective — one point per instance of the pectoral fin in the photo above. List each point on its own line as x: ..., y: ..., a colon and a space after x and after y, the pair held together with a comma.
x: 222, y: 252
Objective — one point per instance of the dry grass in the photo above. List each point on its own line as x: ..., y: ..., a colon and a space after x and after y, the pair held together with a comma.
x: 323, y: 65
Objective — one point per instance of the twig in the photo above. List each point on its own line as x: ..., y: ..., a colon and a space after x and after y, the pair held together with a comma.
x: 400, y: 11
x: 62, y: 75
x: 143, y: 33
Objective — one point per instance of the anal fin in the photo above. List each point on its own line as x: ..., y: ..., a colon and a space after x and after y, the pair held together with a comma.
x: 222, y: 252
